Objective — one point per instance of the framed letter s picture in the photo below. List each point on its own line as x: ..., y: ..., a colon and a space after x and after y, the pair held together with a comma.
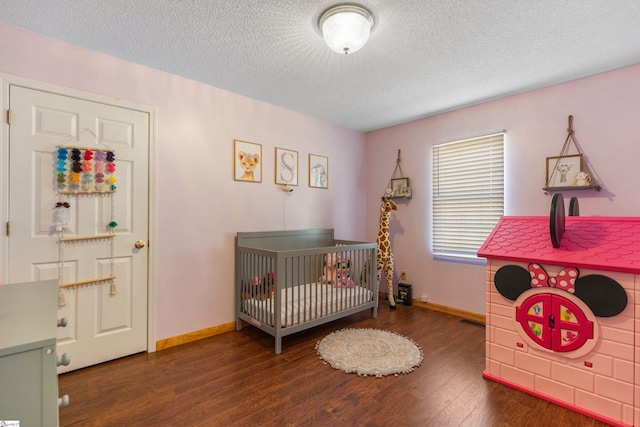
x: 286, y: 167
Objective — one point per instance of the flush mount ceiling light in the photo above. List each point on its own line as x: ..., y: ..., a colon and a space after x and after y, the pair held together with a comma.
x: 346, y: 27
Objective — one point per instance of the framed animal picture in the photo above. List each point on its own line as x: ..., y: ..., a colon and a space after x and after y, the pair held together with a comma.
x: 400, y: 187
x: 562, y: 170
x: 318, y: 171
x: 247, y: 161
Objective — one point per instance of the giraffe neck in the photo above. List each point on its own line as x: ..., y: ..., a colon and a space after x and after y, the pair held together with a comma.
x: 384, y: 226
x: 384, y: 221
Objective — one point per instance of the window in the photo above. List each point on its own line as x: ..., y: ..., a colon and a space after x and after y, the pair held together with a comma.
x: 468, y: 193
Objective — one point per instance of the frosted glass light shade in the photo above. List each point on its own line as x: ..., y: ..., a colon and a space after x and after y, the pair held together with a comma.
x: 346, y: 28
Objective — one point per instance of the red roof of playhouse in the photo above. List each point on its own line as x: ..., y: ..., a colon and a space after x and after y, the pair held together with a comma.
x: 602, y: 243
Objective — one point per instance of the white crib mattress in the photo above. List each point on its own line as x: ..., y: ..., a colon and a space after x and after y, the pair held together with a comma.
x: 303, y: 303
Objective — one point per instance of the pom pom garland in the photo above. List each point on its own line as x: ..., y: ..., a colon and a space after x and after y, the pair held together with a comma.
x: 85, y: 169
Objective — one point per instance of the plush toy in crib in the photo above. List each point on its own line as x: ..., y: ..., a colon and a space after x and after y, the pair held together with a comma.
x: 343, y: 278
x: 250, y: 290
x: 330, y: 268
x: 344, y: 281
x: 268, y: 287
x: 260, y: 290
x: 265, y: 288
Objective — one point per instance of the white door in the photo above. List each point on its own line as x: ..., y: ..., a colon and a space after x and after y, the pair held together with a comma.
x: 104, y: 322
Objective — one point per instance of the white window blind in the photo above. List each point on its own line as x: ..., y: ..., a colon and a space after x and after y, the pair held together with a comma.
x: 468, y: 193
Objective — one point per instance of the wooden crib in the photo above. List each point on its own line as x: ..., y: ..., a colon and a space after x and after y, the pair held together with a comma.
x: 284, y: 285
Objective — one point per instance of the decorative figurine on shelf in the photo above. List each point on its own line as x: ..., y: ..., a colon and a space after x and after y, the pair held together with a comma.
x: 582, y: 179
x: 385, y: 255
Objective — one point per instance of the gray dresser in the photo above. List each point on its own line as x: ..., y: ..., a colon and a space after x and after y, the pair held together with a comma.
x: 28, y: 361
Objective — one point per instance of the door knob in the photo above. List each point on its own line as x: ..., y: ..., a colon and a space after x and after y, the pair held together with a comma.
x: 139, y: 244
x: 65, y: 359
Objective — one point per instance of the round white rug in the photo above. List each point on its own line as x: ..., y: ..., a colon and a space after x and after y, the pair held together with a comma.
x: 370, y: 352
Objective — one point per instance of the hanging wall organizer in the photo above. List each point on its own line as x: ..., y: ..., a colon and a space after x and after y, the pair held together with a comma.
x: 398, y: 187
x: 569, y: 171
x: 88, y: 172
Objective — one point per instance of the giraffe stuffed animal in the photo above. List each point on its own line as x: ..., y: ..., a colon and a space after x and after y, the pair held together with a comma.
x: 385, y: 255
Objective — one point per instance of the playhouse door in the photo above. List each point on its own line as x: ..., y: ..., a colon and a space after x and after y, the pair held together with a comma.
x: 554, y: 322
x: 102, y: 325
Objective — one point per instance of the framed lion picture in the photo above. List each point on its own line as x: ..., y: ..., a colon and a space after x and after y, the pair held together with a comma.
x: 247, y: 161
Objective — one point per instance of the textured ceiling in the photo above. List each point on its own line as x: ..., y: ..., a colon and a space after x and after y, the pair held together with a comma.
x: 423, y: 57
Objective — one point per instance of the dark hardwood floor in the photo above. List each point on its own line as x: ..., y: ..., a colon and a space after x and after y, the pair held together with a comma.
x: 235, y: 379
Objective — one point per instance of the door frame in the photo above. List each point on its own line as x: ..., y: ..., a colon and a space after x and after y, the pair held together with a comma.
x: 8, y: 79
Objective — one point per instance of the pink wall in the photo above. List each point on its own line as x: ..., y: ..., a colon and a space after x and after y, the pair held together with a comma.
x: 199, y: 205
x: 605, y: 109
x: 194, y: 268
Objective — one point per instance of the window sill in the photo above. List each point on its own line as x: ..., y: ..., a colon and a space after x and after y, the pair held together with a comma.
x: 460, y: 259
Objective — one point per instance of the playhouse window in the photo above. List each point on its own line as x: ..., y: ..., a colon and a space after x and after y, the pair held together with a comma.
x: 468, y: 193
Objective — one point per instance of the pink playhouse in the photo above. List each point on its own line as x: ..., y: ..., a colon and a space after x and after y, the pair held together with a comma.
x: 562, y: 312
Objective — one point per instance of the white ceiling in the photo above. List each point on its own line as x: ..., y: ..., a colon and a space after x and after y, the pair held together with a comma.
x: 423, y: 57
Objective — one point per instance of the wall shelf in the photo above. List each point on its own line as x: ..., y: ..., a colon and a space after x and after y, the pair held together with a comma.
x: 595, y: 187
x: 555, y: 169
x: 398, y: 187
